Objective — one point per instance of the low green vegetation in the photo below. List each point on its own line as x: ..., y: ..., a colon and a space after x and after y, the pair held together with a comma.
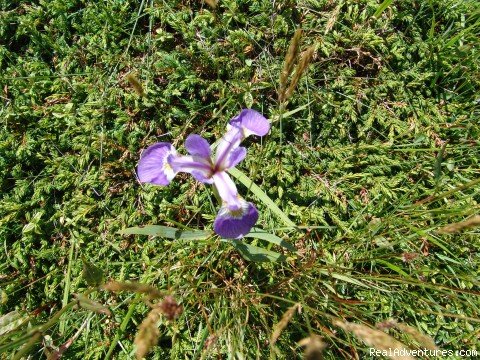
x: 370, y: 156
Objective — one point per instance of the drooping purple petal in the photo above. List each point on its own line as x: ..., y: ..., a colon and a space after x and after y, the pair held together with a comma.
x: 235, y: 224
x: 251, y: 122
x: 198, y: 166
x: 153, y: 166
x: 228, y: 143
x: 236, y: 156
x: 200, y: 176
x: 227, y: 190
x: 197, y: 145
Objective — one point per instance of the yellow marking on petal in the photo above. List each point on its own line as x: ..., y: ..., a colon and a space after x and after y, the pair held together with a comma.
x: 237, y: 213
x: 167, y: 167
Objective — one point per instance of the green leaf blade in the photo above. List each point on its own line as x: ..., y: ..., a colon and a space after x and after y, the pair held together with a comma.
x: 255, y: 253
x: 382, y: 8
x: 166, y: 232
x: 271, y: 238
x: 255, y: 189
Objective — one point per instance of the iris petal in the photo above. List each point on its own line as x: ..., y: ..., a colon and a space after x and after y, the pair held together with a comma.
x: 197, y: 145
x: 198, y: 166
x: 251, y: 122
x: 228, y: 143
x: 200, y: 176
x: 153, y: 166
x: 227, y: 190
x: 236, y: 156
x: 236, y: 224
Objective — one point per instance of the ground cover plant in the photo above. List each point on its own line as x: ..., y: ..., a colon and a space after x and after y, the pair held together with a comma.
x: 367, y: 184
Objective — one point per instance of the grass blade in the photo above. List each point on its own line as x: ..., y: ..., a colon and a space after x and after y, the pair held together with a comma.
x: 393, y: 267
x: 255, y: 253
x: 382, y: 8
x: 274, y: 239
x: 261, y: 196
x: 166, y: 232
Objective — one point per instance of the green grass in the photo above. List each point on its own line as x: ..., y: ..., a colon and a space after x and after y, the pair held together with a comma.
x: 375, y: 152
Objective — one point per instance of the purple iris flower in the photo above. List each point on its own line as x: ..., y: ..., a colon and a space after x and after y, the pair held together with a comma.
x: 160, y: 163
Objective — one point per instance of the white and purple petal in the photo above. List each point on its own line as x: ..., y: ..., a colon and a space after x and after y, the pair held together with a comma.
x: 227, y: 191
x: 228, y: 143
x: 235, y: 224
x: 198, y: 166
x: 153, y: 166
x: 251, y: 122
x: 201, y: 176
x: 236, y: 156
x: 197, y: 145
